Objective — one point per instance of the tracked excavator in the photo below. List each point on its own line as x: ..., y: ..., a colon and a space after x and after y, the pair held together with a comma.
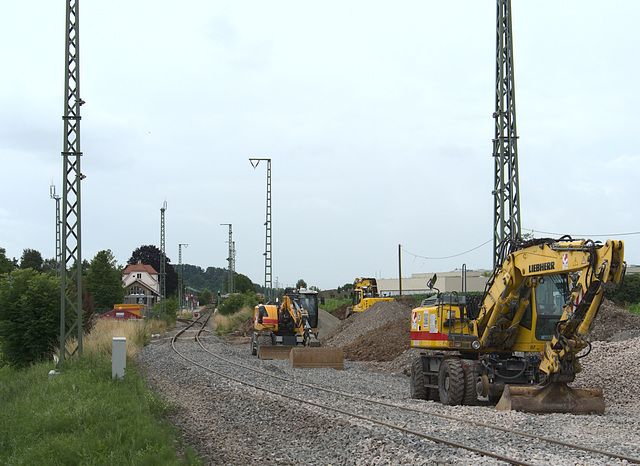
x: 289, y: 330
x: 522, y: 341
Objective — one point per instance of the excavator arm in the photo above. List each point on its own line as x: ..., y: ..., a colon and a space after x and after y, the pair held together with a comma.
x: 588, y: 269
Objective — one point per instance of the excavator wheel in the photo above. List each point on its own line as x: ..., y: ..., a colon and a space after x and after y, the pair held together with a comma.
x: 470, y: 396
x: 254, y: 345
x: 451, y: 382
x: 417, y: 388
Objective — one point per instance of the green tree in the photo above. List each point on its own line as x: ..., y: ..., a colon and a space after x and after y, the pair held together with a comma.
x: 629, y: 293
x: 301, y: 284
x: 104, y: 280
x: 205, y: 297
x: 29, y: 316
x: 6, y: 265
x: 243, y: 284
x: 31, y: 258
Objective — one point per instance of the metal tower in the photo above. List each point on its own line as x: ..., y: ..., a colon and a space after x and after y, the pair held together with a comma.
x: 180, y: 279
x: 506, y: 192
x: 71, y: 256
x: 163, y: 260
x: 268, y: 288
x: 231, y: 260
x: 56, y: 197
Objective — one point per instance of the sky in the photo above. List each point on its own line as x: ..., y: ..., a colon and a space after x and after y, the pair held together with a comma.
x: 376, y: 115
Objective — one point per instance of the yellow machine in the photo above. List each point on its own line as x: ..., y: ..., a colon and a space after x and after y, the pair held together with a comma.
x: 365, y: 293
x: 523, y: 340
x: 281, y: 327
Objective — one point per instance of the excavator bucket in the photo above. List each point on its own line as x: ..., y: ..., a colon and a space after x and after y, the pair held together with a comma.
x: 315, y: 357
x: 555, y: 397
x: 274, y: 352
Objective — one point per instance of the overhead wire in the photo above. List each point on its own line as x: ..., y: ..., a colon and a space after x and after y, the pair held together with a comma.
x: 527, y: 229
x: 446, y: 257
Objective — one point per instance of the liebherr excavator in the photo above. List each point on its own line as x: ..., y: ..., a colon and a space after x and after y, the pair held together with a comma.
x: 289, y: 330
x: 523, y: 340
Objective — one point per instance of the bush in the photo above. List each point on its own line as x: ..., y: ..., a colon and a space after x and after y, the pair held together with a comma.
x: 235, y: 302
x: 628, y: 294
x: 29, y: 316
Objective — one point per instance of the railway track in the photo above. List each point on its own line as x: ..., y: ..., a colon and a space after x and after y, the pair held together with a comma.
x: 338, y: 402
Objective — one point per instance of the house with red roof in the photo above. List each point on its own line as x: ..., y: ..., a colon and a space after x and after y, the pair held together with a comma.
x: 141, y: 284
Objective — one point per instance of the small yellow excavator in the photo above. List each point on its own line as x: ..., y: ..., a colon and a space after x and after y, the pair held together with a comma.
x: 521, y: 343
x: 364, y: 294
x: 284, y: 330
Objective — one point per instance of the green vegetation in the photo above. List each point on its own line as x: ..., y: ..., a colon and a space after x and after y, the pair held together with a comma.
x: 333, y: 303
x: 634, y: 309
x: 6, y: 265
x: 628, y: 294
x: 31, y: 259
x: 29, y: 316
x: 235, y: 302
x: 82, y: 416
x: 104, y: 280
x: 225, y: 324
x: 215, y: 279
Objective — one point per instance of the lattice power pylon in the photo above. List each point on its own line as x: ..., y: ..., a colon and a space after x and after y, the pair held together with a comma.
x: 163, y: 260
x: 268, y: 286
x: 231, y: 260
x: 506, y: 192
x: 56, y: 197
x: 71, y: 256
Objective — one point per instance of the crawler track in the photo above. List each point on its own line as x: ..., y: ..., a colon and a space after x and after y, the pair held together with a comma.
x: 501, y: 432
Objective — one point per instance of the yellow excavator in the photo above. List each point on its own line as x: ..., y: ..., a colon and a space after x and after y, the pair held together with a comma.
x: 364, y: 294
x: 289, y: 330
x: 521, y: 342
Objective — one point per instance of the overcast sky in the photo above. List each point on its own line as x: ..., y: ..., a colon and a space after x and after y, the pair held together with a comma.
x: 376, y: 115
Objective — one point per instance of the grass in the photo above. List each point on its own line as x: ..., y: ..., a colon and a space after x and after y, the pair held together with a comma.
x: 334, y: 303
x: 137, y: 332
x: 634, y: 308
x: 225, y: 324
x: 82, y: 415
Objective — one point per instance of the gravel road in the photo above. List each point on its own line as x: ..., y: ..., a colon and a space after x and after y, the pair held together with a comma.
x: 229, y: 423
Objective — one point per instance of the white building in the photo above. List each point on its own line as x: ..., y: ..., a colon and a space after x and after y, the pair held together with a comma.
x: 141, y: 284
x: 446, y: 282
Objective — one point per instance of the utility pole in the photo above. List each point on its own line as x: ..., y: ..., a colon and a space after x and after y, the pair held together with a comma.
x: 181, y: 280
x: 163, y: 260
x: 506, y: 192
x: 56, y: 197
x: 71, y: 251
x: 400, y: 268
x: 231, y: 260
x: 268, y: 288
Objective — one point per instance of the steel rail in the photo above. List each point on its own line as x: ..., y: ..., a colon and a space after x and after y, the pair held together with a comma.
x: 388, y: 405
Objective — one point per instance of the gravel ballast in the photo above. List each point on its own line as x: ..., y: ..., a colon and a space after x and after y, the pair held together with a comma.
x: 234, y: 424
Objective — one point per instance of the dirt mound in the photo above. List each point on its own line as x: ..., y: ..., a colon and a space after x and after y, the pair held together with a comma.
x: 407, y: 301
x: 363, y: 322
x: 381, y: 344
x: 611, y: 321
x: 340, y: 312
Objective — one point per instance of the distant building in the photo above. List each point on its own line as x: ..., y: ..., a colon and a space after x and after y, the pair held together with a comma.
x: 446, y: 282
x: 141, y: 284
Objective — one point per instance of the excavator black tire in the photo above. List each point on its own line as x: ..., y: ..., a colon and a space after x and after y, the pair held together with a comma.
x: 470, y: 396
x: 254, y: 345
x: 417, y: 388
x: 451, y: 382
